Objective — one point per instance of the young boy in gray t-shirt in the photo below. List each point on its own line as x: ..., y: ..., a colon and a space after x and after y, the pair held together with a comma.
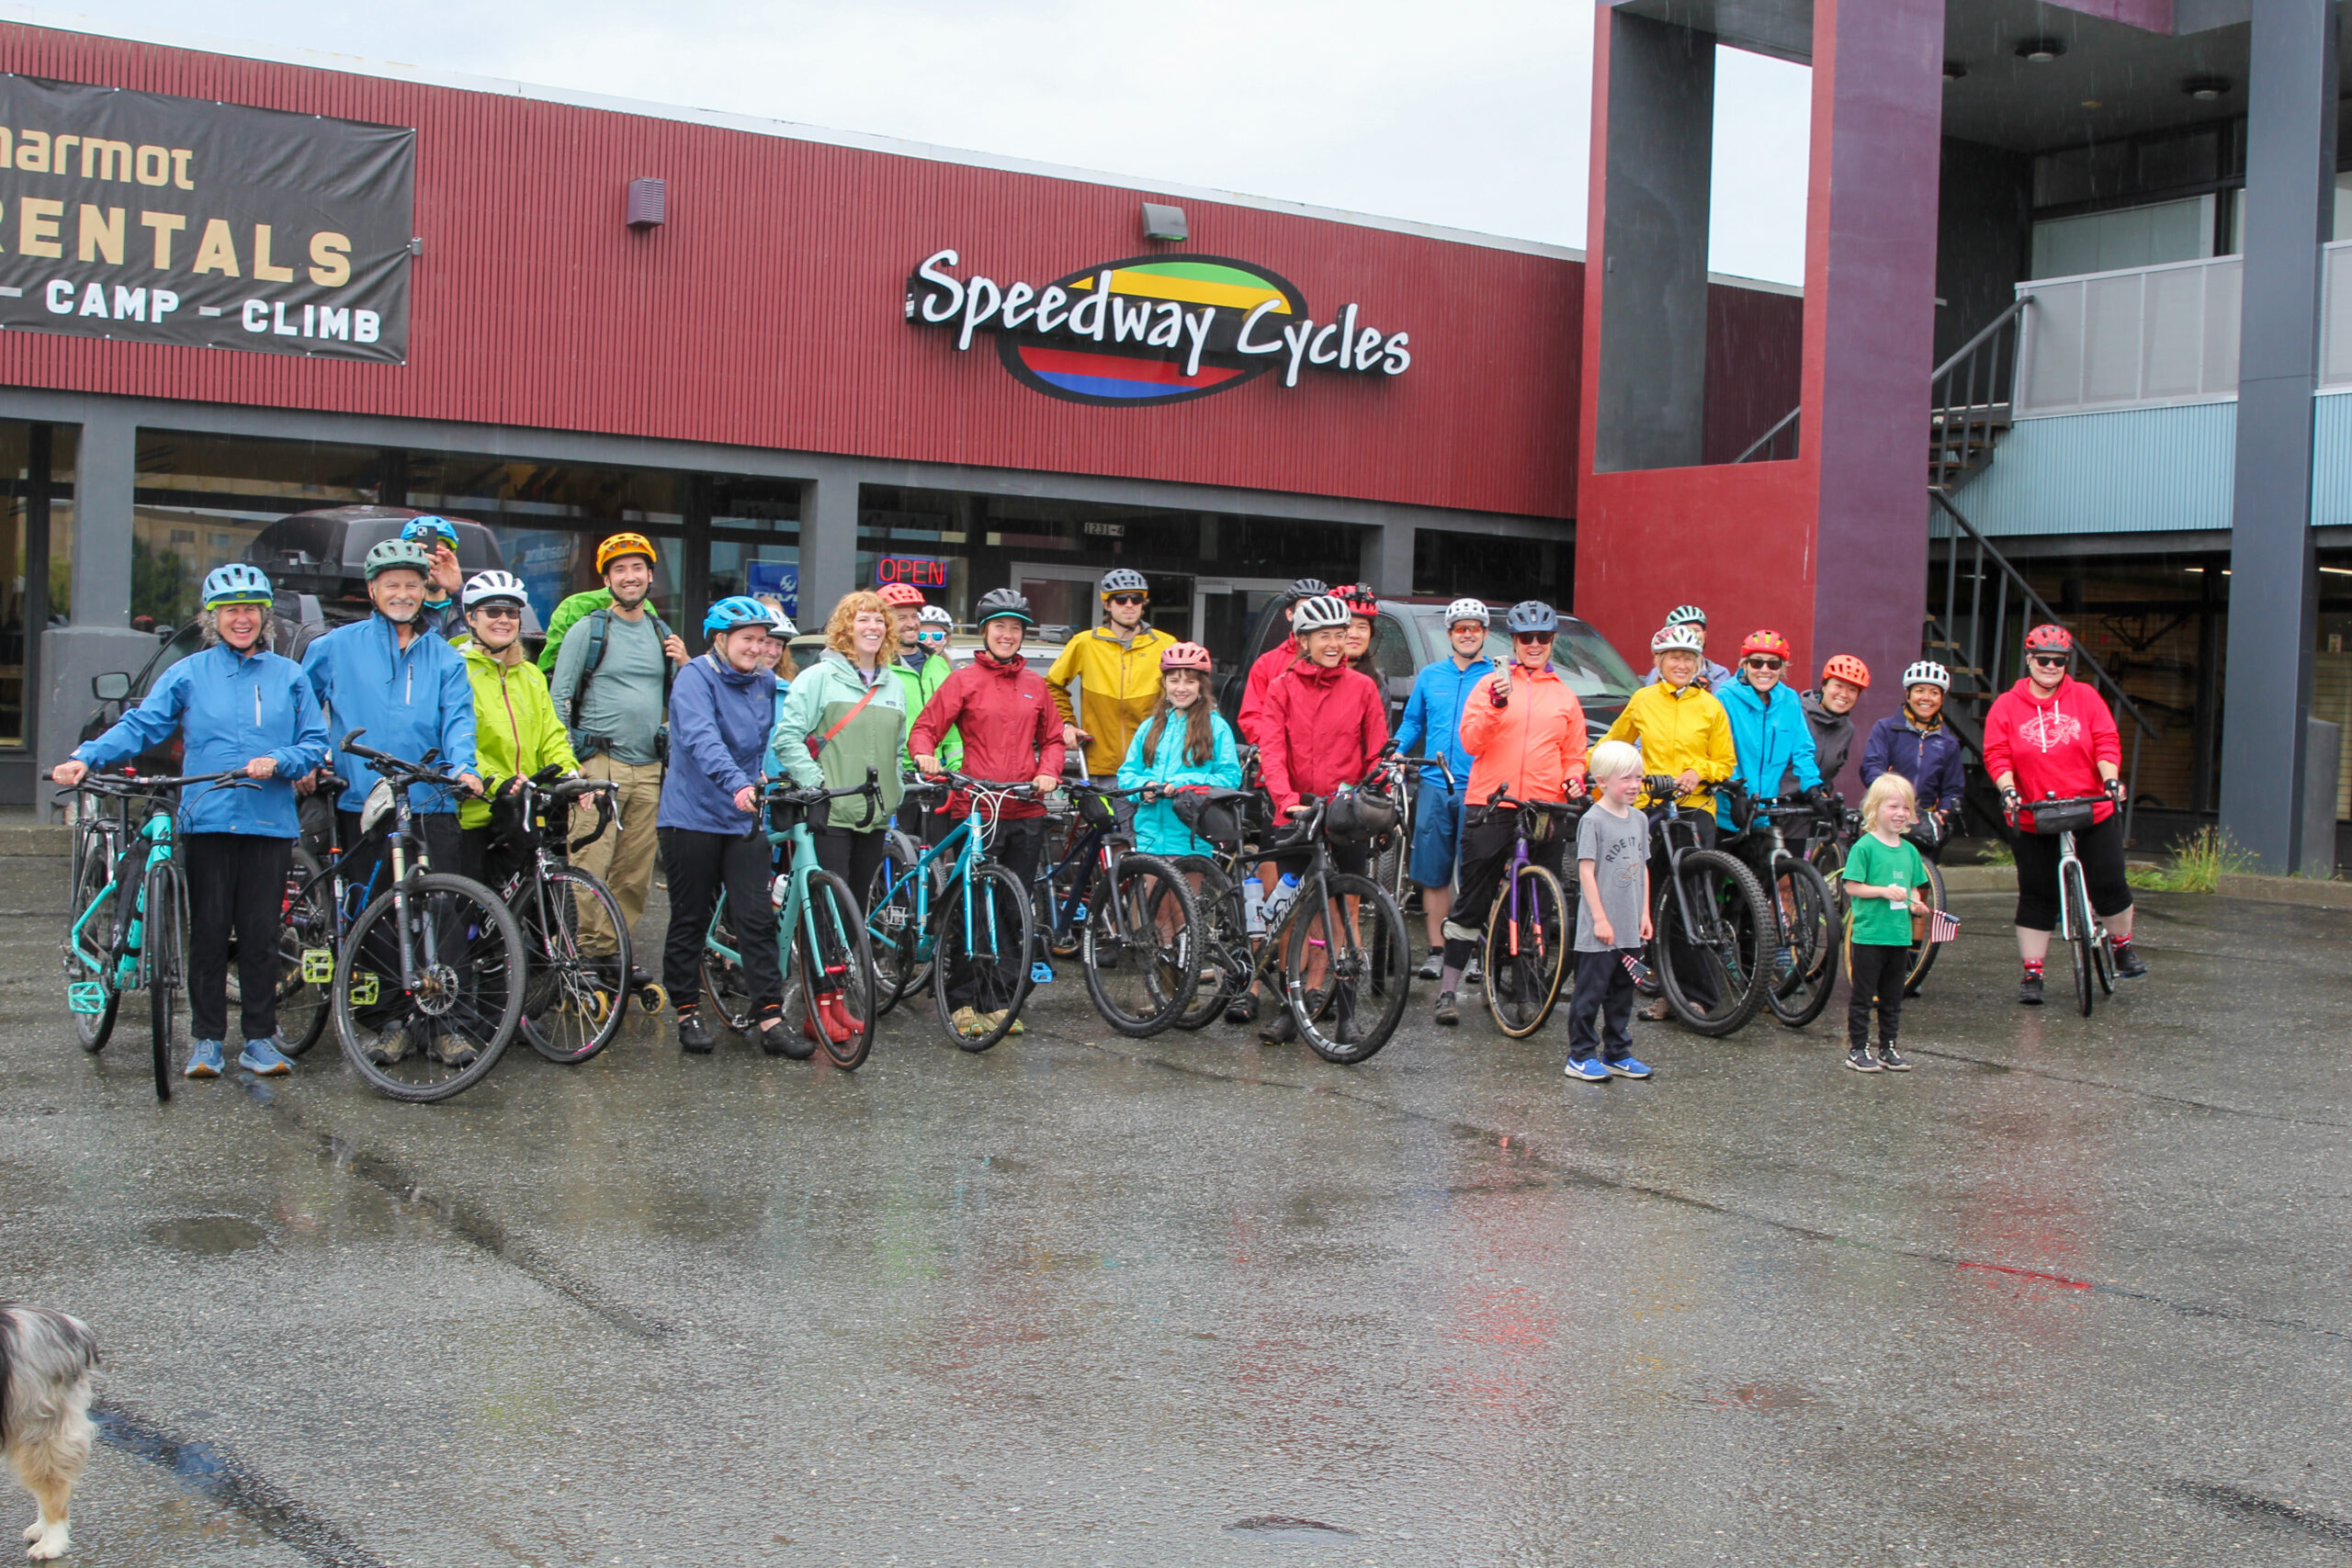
x: 1612, y: 916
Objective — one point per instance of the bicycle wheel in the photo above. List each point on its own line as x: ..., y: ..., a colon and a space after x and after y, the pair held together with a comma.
x: 1809, y: 935
x: 1351, y: 968
x: 1526, y: 954
x: 90, y: 878
x: 2075, y: 908
x: 572, y: 1004
x: 1827, y: 856
x: 894, y: 924
x: 1217, y: 907
x: 2103, y: 962
x: 306, y: 928
x: 837, y: 964
x: 1726, y: 947
x: 162, y: 940
x: 985, y: 931
x: 441, y: 1037
x: 1923, y: 955
x: 724, y: 985
x: 1141, y: 947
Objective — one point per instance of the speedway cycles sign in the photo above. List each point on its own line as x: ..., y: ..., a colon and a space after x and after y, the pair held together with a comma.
x: 155, y: 218
x: 1150, y: 329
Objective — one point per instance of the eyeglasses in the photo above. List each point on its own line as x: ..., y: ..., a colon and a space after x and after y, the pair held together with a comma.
x: 1129, y: 599
x: 1765, y: 663
x: 2048, y: 660
x: 1530, y: 637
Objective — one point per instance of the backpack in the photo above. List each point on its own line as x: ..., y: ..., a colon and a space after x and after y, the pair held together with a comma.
x: 598, y: 623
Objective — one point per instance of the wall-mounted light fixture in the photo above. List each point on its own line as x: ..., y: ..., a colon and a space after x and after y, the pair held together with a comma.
x: 648, y: 203
x: 2205, y: 89
x: 1161, y: 222
x: 2041, y: 50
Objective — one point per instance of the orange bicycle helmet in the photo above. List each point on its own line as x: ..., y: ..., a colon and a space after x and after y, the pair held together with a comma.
x: 901, y: 595
x: 2050, y: 639
x: 1846, y: 667
x: 1187, y: 655
x: 621, y: 545
x: 1772, y: 643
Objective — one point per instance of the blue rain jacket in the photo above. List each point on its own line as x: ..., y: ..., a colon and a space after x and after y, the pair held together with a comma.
x: 720, y: 721
x: 1431, y: 726
x: 773, y: 766
x: 1931, y: 762
x: 410, y: 701
x: 1158, y: 831
x: 1771, y: 740
x: 231, y: 707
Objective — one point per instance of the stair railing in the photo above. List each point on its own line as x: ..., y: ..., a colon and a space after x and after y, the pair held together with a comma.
x: 1969, y: 397
x: 1776, y: 444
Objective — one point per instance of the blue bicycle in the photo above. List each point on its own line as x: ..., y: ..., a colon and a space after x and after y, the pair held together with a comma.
x: 955, y: 912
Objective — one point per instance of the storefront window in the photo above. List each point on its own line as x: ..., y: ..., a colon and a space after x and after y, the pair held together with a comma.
x: 24, y: 473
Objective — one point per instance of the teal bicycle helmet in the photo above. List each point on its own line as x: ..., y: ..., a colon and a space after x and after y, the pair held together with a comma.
x: 736, y: 612
x: 390, y: 553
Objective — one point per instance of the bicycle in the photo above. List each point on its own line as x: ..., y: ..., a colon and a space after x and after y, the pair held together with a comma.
x: 573, y: 1002
x: 1532, y: 926
x: 2084, y: 934
x: 983, y: 924
x: 1805, y: 912
x: 820, y: 939
x: 1338, y: 950
x: 1712, y: 899
x: 1136, y: 942
x: 437, y: 958
x: 110, y: 950
x: 1836, y: 828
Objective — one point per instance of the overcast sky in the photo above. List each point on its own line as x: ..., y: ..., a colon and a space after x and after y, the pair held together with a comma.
x: 1473, y: 114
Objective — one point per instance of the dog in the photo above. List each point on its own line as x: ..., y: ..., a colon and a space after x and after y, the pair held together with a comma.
x: 45, y: 1361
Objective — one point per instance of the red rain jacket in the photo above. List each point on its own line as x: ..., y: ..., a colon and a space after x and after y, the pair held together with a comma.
x: 1271, y: 663
x: 2053, y: 744
x: 1318, y: 729
x: 1012, y: 730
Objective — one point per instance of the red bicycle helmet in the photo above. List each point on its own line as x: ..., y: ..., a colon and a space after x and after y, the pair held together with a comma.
x: 1846, y: 667
x: 1359, y: 598
x: 902, y: 595
x: 1772, y: 643
x: 2050, y: 639
x: 1187, y: 655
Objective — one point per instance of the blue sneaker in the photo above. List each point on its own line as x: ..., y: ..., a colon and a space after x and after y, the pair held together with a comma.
x: 1627, y: 1068
x: 264, y: 1058
x: 203, y: 1060
x: 1587, y: 1070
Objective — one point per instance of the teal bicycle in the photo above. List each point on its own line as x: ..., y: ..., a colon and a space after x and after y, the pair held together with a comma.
x: 121, y: 943
x: 955, y: 912
x: 820, y: 935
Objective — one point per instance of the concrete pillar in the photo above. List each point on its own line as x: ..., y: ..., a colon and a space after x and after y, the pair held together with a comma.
x: 828, y: 541
x: 100, y: 638
x: 1385, y: 559
x: 2274, y: 592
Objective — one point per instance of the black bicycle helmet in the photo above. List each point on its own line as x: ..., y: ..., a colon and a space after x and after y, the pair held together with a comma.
x: 1307, y: 588
x: 1532, y: 615
x: 998, y: 601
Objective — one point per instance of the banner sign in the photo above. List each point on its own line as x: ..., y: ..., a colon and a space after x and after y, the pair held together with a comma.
x: 155, y: 218
x: 1150, y: 329
x: 781, y: 578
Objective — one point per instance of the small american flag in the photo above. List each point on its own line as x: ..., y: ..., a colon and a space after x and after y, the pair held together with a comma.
x: 1635, y: 968
x: 1943, y: 927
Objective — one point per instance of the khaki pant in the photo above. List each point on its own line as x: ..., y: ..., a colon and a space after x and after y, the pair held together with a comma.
x: 622, y: 858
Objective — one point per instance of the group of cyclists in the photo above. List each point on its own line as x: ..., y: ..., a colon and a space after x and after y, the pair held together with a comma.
x: 883, y: 733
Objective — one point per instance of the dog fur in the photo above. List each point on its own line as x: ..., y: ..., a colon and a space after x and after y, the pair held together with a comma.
x: 45, y: 1361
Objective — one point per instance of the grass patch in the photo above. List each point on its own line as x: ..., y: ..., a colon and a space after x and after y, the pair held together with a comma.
x: 1998, y: 854
x: 2199, y: 863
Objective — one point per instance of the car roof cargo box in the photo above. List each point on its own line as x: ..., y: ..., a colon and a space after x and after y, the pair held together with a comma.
x: 324, y: 553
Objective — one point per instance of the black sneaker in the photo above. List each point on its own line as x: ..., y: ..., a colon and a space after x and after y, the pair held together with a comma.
x: 1859, y: 1057
x: 1281, y: 1031
x: 1449, y: 1013
x: 694, y: 1034
x: 2129, y: 965
x: 1892, y: 1060
x: 2029, y: 989
x: 1242, y: 1008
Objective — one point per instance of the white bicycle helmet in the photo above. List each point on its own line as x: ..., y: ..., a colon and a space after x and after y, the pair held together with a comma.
x: 1926, y: 672
x: 495, y: 587
x: 935, y: 615
x: 780, y: 625
x: 1681, y: 638
x: 1314, y: 615
x: 1467, y: 610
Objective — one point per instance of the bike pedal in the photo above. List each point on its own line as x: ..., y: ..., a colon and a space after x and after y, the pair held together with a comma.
x: 87, y: 995
x: 1041, y: 974
x: 652, y: 999
x: 318, y: 966
x: 364, y: 989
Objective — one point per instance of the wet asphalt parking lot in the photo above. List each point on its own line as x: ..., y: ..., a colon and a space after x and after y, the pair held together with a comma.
x: 2069, y: 1293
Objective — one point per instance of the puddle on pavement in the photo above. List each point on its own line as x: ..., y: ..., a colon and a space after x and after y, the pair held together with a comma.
x: 1763, y: 1396
x: 1282, y: 1527
x: 207, y: 1234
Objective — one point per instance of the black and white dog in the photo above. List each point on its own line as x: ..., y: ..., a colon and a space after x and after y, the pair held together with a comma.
x: 45, y: 1361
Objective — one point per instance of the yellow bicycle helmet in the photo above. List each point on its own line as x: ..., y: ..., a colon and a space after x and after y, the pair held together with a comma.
x: 621, y: 545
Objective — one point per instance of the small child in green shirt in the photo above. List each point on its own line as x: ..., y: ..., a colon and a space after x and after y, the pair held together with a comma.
x: 1883, y: 874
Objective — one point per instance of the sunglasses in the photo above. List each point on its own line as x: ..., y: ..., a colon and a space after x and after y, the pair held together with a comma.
x: 1765, y: 663
x: 1530, y: 637
x: 1129, y: 599
x: 500, y: 611
x: 2048, y: 660
x: 934, y: 635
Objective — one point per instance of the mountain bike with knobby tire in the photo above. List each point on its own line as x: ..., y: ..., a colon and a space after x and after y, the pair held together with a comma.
x: 1803, y: 959
x: 1130, y: 916
x: 1532, y: 925
x: 2088, y: 946
x: 429, y: 979
x: 1714, y: 927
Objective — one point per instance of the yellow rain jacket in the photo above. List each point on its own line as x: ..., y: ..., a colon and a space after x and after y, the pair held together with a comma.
x: 1688, y: 728
x: 1117, y: 687
x: 516, y: 730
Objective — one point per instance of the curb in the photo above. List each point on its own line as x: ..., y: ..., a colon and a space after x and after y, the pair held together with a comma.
x: 1980, y: 879
x: 46, y: 838
x: 2309, y: 893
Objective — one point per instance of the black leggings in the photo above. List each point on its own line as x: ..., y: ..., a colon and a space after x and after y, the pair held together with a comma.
x: 852, y: 857
x: 1486, y: 856
x: 1879, y: 974
x: 236, y: 883
x: 2100, y: 848
x: 698, y: 864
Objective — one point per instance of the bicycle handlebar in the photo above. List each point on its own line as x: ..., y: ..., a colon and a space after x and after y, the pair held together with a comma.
x: 792, y: 794
x: 1440, y: 764
x: 420, y: 772
x: 134, y: 783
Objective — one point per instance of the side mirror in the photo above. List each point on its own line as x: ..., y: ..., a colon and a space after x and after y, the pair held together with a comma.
x: 114, y: 686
